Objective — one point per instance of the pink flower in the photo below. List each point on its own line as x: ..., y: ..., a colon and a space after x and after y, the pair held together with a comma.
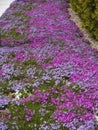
x: 28, y: 118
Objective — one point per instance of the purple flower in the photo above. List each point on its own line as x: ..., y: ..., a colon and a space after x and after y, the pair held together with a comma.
x: 4, y: 101
x: 3, y: 126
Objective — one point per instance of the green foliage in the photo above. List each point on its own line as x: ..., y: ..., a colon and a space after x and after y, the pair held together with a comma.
x: 88, y: 12
x: 4, y: 89
x: 30, y: 62
x: 17, y: 14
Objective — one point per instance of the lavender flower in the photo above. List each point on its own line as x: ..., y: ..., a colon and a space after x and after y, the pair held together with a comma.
x: 4, y: 101
x: 3, y: 126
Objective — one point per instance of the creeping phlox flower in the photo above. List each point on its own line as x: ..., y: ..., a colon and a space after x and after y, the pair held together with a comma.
x: 4, y: 101
x: 96, y: 118
x: 17, y: 94
x: 3, y: 126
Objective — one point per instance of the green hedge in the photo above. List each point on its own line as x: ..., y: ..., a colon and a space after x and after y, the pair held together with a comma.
x: 88, y: 11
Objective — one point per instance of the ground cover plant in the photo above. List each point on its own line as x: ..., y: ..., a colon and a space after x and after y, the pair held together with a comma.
x: 48, y: 71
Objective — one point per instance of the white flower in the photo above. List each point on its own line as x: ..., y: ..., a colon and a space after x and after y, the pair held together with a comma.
x: 17, y: 94
x: 96, y: 118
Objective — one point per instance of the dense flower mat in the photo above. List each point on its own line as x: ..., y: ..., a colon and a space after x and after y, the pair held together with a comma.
x: 48, y: 71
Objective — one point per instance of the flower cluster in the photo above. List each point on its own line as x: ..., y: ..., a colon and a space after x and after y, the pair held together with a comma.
x: 60, y: 104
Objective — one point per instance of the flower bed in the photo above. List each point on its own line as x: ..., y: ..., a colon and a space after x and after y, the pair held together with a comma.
x: 50, y: 81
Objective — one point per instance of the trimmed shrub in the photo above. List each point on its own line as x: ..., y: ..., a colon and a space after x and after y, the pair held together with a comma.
x: 88, y: 12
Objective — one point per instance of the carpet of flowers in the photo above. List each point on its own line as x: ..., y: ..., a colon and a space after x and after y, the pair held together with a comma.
x: 48, y: 71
